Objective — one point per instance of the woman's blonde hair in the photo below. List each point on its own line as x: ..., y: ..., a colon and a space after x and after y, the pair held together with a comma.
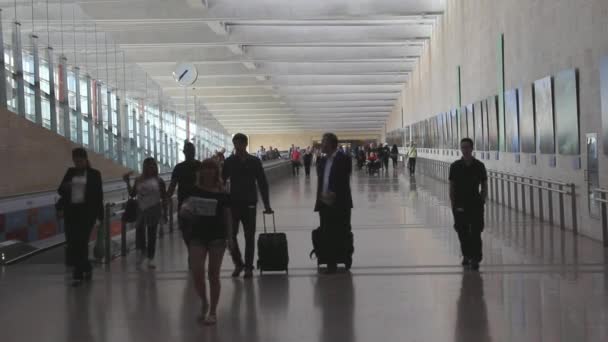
x: 211, y: 164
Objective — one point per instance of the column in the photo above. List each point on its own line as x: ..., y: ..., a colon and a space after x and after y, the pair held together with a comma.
x: 18, y: 68
x: 134, y: 146
x: 167, y: 158
x: 142, y: 138
x: 37, y: 92
x: 2, y: 67
x: 63, y: 97
x: 172, y: 153
x: 154, y: 143
x: 148, y: 147
x: 119, y: 125
x: 110, y: 123
x: 52, y: 97
x: 90, y: 108
x: 78, y: 106
x: 100, y: 129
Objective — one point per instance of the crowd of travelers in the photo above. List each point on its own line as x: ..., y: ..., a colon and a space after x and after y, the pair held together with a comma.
x: 216, y: 195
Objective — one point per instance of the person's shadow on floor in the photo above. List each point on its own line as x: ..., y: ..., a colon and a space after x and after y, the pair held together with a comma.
x: 472, y: 313
x: 335, y: 298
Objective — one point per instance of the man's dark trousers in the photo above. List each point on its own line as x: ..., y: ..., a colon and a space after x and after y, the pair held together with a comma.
x: 469, y: 224
x: 335, y: 229
x: 246, y: 214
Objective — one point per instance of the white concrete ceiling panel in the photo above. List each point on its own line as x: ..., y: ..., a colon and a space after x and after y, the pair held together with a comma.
x: 267, y: 66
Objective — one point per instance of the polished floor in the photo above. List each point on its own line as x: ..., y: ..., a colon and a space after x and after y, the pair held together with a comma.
x: 536, y: 283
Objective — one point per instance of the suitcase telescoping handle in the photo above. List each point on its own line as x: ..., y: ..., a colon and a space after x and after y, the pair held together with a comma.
x: 274, y: 225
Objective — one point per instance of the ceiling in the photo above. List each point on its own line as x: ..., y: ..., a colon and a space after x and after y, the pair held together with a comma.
x: 269, y: 66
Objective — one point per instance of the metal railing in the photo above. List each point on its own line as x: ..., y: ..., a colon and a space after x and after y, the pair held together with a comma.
x: 601, y: 198
x: 518, y: 192
x: 104, y: 251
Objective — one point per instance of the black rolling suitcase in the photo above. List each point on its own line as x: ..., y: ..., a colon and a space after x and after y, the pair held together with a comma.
x: 273, y: 253
x: 345, y: 251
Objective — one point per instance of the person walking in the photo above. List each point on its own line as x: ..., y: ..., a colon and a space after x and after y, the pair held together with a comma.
x: 295, y: 161
x: 206, y: 210
x: 151, y: 193
x: 244, y: 171
x: 412, y: 155
x: 81, y: 204
x: 307, y: 161
x: 386, y: 155
x: 184, y: 177
x: 468, y: 194
x: 394, y: 155
x: 334, y: 201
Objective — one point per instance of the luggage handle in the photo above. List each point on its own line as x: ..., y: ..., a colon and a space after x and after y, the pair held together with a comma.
x: 274, y: 225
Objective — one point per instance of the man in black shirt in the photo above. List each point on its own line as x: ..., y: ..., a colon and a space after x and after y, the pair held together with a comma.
x: 244, y: 171
x: 468, y: 194
x: 184, y: 178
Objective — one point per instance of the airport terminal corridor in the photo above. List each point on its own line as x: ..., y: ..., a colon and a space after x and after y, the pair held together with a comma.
x: 536, y: 283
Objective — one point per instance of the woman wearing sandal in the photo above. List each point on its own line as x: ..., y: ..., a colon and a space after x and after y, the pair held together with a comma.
x: 207, y: 211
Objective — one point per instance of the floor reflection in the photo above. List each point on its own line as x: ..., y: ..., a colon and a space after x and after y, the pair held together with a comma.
x: 472, y: 313
x: 335, y: 299
x: 78, y: 325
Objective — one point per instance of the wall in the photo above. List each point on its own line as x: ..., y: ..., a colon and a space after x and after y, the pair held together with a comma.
x: 284, y: 141
x: 542, y: 37
x: 35, y: 159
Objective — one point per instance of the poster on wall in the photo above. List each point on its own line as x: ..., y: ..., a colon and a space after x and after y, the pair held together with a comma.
x: 471, y: 121
x: 566, y: 113
x: 479, y: 131
x: 493, y: 140
x: 455, y: 130
x: 543, y: 101
x: 436, y: 129
x: 527, y: 119
x: 446, y: 131
x: 462, y: 118
x: 486, y: 126
x: 512, y: 121
x: 604, y: 96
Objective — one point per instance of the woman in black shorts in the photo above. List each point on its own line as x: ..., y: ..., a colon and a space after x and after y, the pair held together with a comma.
x: 207, y: 211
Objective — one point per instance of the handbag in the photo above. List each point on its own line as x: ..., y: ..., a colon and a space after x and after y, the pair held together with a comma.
x: 130, y: 213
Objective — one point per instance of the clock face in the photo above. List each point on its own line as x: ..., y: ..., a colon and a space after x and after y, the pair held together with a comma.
x: 185, y: 74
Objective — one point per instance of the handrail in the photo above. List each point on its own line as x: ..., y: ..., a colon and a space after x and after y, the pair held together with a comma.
x: 103, y: 245
x: 529, y: 177
x: 45, y: 198
x: 506, y: 188
x: 532, y: 185
x: 603, y: 202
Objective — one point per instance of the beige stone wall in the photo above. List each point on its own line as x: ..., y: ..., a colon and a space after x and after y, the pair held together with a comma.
x: 542, y: 37
x: 284, y: 141
x: 35, y: 159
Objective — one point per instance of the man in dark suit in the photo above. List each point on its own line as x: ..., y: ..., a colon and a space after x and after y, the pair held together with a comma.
x: 334, y: 202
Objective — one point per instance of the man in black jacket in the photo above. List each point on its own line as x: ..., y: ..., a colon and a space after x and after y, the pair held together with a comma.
x: 81, y: 204
x: 244, y: 171
x: 334, y: 202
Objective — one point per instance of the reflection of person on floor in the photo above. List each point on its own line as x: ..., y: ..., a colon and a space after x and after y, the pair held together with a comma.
x: 468, y: 194
x: 334, y: 199
x: 335, y: 298
x: 472, y: 313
